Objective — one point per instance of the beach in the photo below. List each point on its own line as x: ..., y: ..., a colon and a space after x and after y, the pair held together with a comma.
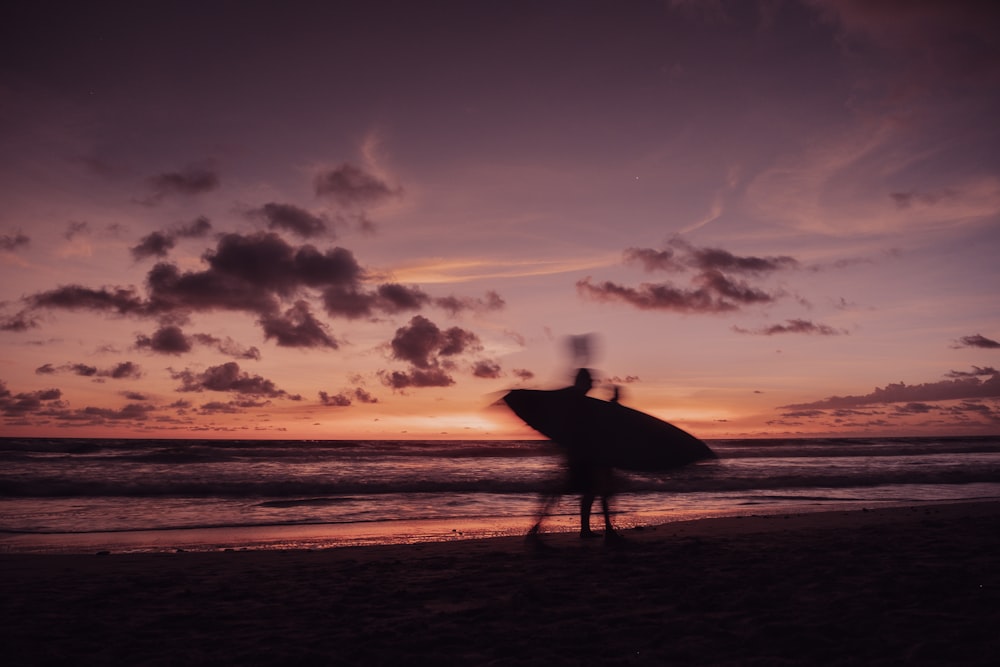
x: 899, y: 585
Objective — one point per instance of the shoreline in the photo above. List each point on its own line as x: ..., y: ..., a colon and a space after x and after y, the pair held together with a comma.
x: 325, y: 535
x: 914, y: 584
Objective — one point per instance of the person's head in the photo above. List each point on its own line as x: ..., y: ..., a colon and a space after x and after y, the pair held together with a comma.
x: 583, y: 381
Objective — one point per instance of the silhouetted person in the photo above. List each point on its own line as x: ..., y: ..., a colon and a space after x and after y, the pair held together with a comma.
x: 586, y: 471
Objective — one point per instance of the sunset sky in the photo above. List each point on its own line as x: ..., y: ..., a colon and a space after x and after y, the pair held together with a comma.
x: 368, y: 219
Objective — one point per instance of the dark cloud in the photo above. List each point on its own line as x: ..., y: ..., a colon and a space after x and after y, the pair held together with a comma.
x: 83, y: 369
x: 125, y: 369
x: 20, y: 322
x: 653, y: 260
x: 21, y: 404
x: 229, y: 377
x: 346, y: 398
x: 422, y: 344
x: 945, y: 390
x: 293, y: 219
x: 727, y: 288
x: 116, y: 300
x: 794, y: 326
x: 417, y: 343
x: 10, y: 243
x: 130, y: 412
x: 394, y: 298
x: 486, y: 369
x: 159, y: 243
x: 189, y: 181
x: 297, y: 327
x: 250, y: 273
x: 977, y: 341
x: 523, y: 374
x: 716, y: 259
x: 348, y: 302
x: 122, y: 370
x: 267, y: 261
x: 417, y: 378
x: 975, y: 372
x: 455, y: 305
x: 713, y: 290
x: 337, y: 400
x: 165, y: 340
x: 349, y: 185
x: 170, y: 339
x: 650, y: 296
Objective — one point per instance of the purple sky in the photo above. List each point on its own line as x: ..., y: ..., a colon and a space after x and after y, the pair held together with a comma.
x: 338, y: 220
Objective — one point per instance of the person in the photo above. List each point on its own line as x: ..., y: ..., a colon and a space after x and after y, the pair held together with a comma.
x: 586, y: 470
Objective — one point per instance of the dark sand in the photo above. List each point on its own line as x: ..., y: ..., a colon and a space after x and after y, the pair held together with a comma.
x: 889, y: 586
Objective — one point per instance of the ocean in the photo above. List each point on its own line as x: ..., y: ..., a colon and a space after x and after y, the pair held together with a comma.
x: 92, y: 495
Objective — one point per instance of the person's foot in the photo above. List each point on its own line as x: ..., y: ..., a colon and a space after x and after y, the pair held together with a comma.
x: 588, y: 534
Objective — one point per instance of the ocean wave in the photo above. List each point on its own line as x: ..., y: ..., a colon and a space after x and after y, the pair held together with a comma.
x: 698, y: 481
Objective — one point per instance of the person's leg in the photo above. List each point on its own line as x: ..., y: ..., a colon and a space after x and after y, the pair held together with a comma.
x: 586, y: 503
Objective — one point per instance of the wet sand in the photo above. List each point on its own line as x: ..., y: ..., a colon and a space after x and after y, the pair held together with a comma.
x: 913, y: 585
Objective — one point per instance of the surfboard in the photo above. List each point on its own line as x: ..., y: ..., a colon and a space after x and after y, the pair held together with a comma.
x: 625, y: 438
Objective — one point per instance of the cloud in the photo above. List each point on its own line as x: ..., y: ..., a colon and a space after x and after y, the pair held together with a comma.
x: 20, y: 322
x: 713, y: 291
x: 523, y: 374
x: 417, y: 377
x: 653, y: 260
x: 346, y: 398
x: 24, y: 403
x: 293, y: 219
x: 117, y: 300
x: 159, y: 243
x: 717, y: 259
x: 10, y: 243
x: 122, y: 370
x: 429, y: 350
x: 454, y: 305
x: 170, y: 339
x: 975, y: 372
x: 349, y: 185
x: 795, y: 326
x: 392, y: 298
x: 192, y: 180
x: 650, y: 296
x: 229, y: 377
x: 486, y: 369
x: 421, y: 341
x: 250, y: 273
x: 977, y: 341
x: 166, y: 340
x: 945, y: 390
x: 297, y: 328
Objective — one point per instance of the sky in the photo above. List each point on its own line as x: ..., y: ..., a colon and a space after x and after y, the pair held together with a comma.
x: 342, y: 220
